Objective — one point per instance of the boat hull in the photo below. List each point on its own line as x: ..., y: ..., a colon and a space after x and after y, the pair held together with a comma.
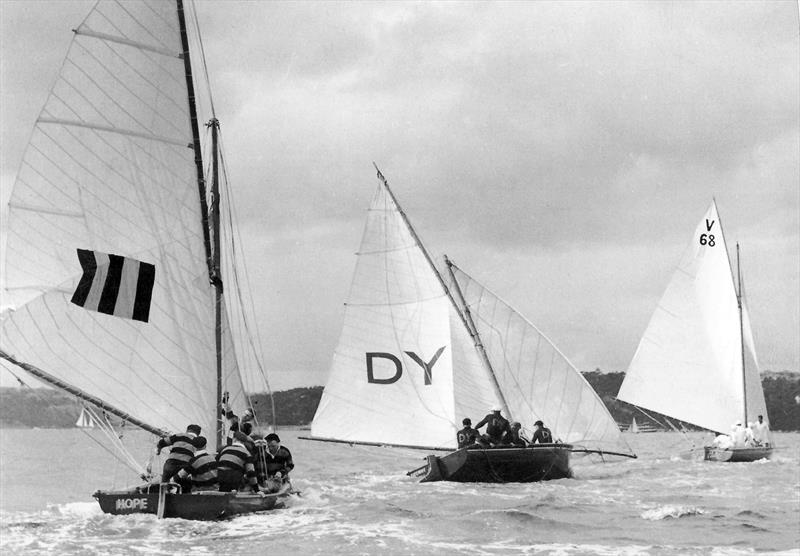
x: 541, y: 462
x: 737, y: 454
x: 202, y: 505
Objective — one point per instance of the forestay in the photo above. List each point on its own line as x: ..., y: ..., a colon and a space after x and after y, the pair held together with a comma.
x: 689, y: 362
x: 405, y: 371
x: 536, y: 379
x: 110, y: 168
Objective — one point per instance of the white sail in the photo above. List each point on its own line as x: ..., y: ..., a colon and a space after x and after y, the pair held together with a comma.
x: 110, y: 169
x: 689, y: 362
x: 537, y: 381
x: 398, y: 321
x: 634, y: 428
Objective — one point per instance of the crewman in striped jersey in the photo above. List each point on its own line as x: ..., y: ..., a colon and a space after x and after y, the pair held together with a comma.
x: 234, y: 466
x: 201, y: 472
x: 181, y: 451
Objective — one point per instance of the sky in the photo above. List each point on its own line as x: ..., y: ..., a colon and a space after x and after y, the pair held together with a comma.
x: 561, y: 153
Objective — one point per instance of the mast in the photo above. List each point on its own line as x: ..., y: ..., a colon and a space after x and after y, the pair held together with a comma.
x: 77, y: 392
x: 215, y: 271
x: 198, y: 151
x: 741, y: 332
x: 476, y: 338
x: 442, y: 283
x: 212, y: 252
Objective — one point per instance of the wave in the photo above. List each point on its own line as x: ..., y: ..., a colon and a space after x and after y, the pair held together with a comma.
x: 669, y: 511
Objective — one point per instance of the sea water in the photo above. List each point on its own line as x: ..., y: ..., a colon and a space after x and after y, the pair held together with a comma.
x: 358, y: 500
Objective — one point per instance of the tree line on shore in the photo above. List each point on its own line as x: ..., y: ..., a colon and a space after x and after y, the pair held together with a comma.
x: 45, y: 408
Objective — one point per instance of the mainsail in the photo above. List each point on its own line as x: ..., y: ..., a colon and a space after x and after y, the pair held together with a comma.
x: 405, y: 370
x: 114, y: 167
x: 689, y: 362
x: 409, y: 366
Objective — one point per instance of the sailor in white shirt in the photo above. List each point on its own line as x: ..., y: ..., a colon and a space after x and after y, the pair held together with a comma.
x: 761, y: 432
x: 739, y: 435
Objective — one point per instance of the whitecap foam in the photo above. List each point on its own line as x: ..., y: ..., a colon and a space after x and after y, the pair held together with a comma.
x: 669, y: 511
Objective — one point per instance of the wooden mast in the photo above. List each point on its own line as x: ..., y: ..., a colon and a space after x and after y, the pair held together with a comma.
x: 212, y: 251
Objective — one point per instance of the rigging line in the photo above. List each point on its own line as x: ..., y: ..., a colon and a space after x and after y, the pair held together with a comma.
x: 199, y: 38
x: 258, y: 349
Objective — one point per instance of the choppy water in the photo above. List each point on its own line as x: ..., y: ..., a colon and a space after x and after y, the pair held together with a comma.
x: 358, y: 500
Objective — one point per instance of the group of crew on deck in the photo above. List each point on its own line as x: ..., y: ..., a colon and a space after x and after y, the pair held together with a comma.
x: 247, y: 461
x: 499, y: 433
x: 754, y: 435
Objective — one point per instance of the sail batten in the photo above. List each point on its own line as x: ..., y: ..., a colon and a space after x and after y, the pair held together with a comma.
x: 109, y: 129
x: 127, y: 42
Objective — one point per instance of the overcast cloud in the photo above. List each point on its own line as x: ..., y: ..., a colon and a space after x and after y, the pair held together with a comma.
x: 560, y: 152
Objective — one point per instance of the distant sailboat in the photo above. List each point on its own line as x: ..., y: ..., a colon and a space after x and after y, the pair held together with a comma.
x: 114, y: 257
x: 696, y: 361
x: 633, y: 428
x: 85, y: 420
x: 421, y: 349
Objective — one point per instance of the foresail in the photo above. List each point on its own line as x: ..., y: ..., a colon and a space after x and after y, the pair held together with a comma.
x: 110, y: 169
x: 756, y: 405
x: 536, y: 379
x: 688, y: 364
x: 392, y: 378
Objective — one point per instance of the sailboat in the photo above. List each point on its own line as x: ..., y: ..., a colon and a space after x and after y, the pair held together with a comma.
x: 696, y: 361
x: 634, y: 428
x: 422, y: 348
x: 114, y: 261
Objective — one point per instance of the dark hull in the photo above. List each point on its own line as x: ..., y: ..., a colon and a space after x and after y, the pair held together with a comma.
x: 542, y: 462
x: 737, y: 454
x: 204, y: 505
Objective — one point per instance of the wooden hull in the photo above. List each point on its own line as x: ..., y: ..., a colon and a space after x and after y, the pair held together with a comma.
x: 202, y: 505
x: 541, y: 462
x: 737, y: 454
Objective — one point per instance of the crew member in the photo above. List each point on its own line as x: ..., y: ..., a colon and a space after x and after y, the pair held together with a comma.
x: 542, y: 434
x: 234, y: 467
x: 201, y: 471
x: 497, y: 426
x: 181, y: 451
x: 512, y: 437
x: 467, y: 436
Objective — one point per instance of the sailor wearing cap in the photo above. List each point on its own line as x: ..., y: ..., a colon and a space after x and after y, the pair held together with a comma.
x: 542, y: 434
x: 497, y: 426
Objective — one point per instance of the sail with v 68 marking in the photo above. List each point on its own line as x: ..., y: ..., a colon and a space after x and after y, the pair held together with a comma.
x: 691, y: 363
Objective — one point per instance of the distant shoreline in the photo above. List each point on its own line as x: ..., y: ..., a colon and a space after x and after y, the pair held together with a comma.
x: 29, y: 408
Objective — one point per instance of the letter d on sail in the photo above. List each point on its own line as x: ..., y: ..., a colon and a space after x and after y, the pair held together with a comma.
x: 398, y: 368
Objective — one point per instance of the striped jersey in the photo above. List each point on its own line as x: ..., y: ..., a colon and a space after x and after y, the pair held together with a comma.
x: 202, y: 469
